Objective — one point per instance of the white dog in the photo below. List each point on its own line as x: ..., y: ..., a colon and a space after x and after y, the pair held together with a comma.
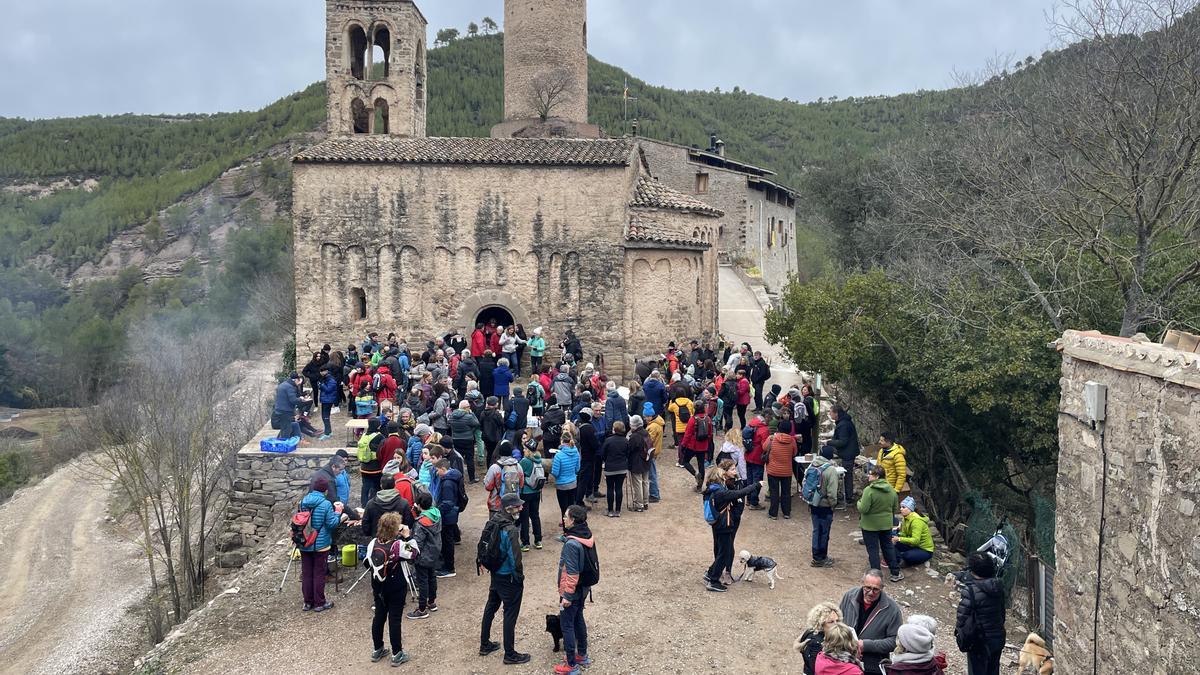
x: 757, y: 563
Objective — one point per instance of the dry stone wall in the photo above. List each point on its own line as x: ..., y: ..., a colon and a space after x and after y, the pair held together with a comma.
x: 1149, y: 564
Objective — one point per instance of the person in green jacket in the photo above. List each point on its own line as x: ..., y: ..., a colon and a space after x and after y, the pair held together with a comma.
x: 876, y: 508
x: 914, y: 546
x: 537, y: 349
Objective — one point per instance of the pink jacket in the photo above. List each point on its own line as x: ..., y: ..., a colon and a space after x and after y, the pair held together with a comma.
x: 827, y: 666
x: 743, y: 392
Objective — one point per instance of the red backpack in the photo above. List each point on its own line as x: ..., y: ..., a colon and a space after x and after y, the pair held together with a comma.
x: 304, y: 535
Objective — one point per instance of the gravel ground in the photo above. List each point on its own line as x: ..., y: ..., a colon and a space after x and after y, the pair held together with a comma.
x: 64, y: 610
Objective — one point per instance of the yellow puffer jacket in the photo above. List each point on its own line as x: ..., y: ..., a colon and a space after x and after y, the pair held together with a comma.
x: 654, y: 427
x: 894, y: 465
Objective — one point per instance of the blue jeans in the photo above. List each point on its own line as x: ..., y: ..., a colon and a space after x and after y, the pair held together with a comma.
x: 912, y: 555
x: 822, y: 523
x: 574, y: 631
x: 754, y: 472
x: 654, y: 494
x: 881, y: 539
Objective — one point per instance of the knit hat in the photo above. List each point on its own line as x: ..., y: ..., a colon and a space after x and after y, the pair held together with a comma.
x: 635, y: 422
x: 648, y: 409
x: 510, y: 500
x: 585, y: 412
x: 423, y: 430
x: 537, y: 331
x: 320, y: 484
x: 908, y: 503
x: 915, y: 639
x: 925, y: 621
x: 611, y: 386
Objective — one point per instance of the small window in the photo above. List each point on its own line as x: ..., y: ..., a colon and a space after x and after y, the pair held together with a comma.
x: 360, y: 117
x: 358, y: 304
x: 381, y: 116
x: 701, y: 183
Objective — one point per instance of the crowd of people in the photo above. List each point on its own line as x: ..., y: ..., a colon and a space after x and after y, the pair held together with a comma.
x: 456, y: 414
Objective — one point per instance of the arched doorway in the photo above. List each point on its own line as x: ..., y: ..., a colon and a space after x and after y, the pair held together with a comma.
x: 502, y: 316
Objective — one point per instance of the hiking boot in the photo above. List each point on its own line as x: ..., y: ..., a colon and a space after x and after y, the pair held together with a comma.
x: 432, y: 607
x: 489, y: 648
x: 399, y: 658
x: 322, y: 608
x: 524, y: 548
x: 716, y: 586
x: 816, y: 563
x: 515, y: 659
x: 446, y: 574
x: 566, y: 669
x: 655, y: 500
x: 307, y: 607
x: 537, y: 545
x: 828, y: 562
x: 896, y: 577
x: 418, y: 614
x: 378, y: 654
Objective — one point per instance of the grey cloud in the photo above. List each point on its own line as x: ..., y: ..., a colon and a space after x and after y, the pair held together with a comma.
x: 79, y: 57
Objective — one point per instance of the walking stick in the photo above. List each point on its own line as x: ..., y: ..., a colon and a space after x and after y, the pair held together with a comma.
x: 291, y: 557
x: 360, y: 578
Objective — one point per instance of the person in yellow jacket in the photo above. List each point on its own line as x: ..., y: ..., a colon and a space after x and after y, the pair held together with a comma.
x: 892, y: 458
x: 914, y: 546
x: 681, y: 409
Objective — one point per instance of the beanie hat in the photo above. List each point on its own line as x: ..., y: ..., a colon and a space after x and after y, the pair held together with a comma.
x: 423, y: 430
x: 342, y: 453
x: 909, y: 503
x: 915, y: 639
x: 924, y: 620
x: 585, y: 412
x: 611, y: 386
x: 320, y: 484
x: 510, y: 500
x: 648, y: 409
x: 635, y: 422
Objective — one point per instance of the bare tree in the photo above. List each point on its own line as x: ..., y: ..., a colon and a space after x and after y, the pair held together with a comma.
x: 550, y: 90
x: 168, y: 438
x: 1075, y: 179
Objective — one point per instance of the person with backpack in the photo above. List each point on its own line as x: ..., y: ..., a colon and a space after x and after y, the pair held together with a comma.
x: 682, y: 409
x: 535, y: 394
x: 499, y: 553
x: 760, y: 372
x: 614, y: 454
x: 578, y: 571
x: 780, y: 455
x: 416, y: 445
x: 387, y: 500
x: 463, y: 425
x: 534, y: 471
x: 876, y: 510
x: 427, y: 535
x: 819, y: 490
x: 517, y: 419
x: 979, y: 627
x: 503, y: 477
x: 654, y: 430
x: 723, y: 512
x: 370, y: 469
x: 389, y: 589
x: 320, y: 517
x: 450, y: 498
x: 732, y: 448
x: 754, y: 439
x: 565, y: 470
x: 639, y: 464
x: 491, y: 427
x: 696, y: 444
x: 812, y: 639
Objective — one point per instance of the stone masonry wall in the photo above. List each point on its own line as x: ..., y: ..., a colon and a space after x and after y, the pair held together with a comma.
x: 1149, y: 613
x: 540, y: 38
x: 266, y: 490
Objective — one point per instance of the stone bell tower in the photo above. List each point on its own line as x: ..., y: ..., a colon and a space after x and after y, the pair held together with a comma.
x: 545, y: 70
x: 375, y: 67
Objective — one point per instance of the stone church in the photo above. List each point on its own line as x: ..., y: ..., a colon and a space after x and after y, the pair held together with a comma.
x: 546, y: 223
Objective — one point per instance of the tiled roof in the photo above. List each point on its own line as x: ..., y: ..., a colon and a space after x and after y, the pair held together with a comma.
x: 643, y: 230
x: 652, y: 194
x: 1160, y: 361
x: 485, y: 151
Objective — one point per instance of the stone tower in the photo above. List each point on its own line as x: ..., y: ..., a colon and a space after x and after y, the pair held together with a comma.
x: 545, y: 69
x: 375, y: 67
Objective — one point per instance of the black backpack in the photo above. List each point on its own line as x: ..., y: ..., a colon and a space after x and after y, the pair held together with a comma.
x: 489, y: 554
x: 703, y: 428
x: 589, y: 571
x: 684, y: 414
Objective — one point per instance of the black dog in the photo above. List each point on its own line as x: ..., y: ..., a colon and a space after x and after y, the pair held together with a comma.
x: 554, y: 629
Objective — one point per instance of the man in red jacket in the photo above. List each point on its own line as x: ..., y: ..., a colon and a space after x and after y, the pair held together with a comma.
x: 754, y: 458
x: 386, y: 388
x: 697, y: 443
x: 478, y: 341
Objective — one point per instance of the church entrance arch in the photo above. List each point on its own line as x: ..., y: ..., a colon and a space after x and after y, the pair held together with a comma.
x: 502, y: 316
x: 493, y: 304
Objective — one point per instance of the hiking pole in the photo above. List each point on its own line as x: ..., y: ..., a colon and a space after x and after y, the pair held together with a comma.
x: 291, y: 557
x: 360, y: 578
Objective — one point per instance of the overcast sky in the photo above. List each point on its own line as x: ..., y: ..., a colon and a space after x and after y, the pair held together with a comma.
x: 80, y: 57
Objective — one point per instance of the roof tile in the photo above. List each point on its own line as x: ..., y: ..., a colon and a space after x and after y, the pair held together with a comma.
x: 645, y: 230
x: 651, y: 194
x: 482, y: 151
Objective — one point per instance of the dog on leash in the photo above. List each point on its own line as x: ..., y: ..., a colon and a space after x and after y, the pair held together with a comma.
x: 759, y: 563
x: 554, y: 628
x: 1035, y: 658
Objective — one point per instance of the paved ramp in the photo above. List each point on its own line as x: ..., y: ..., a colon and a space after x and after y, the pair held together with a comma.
x: 742, y: 320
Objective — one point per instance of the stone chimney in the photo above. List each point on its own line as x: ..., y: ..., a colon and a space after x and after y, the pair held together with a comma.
x: 545, y: 70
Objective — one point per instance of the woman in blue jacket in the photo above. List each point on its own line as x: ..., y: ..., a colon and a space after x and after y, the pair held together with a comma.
x: 313, y: 559
x: 502, y: 378
x: 565, y: 469
x: 329, y: 395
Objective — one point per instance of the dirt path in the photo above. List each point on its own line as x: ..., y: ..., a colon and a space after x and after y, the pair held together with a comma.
x: 64, y: 608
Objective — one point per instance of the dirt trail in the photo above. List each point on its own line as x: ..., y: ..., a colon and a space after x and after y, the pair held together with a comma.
x: 69, y: 580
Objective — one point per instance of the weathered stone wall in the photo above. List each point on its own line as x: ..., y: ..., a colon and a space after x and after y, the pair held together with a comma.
x: 541, y: 38
x: 430, y: 245
x: 403, y: 89
x: 266, y: 490
x: 1149, y: 613
x: 655, y: 279
x: 730, y: 191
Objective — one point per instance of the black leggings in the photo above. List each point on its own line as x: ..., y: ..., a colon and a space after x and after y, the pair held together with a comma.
x: 722, y: 554
x: 781, y: 495
x: 389, y: 609
x: 741, y: 411
x: 565, y: 499
x: 698, y: 472
x: 616, y: 488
